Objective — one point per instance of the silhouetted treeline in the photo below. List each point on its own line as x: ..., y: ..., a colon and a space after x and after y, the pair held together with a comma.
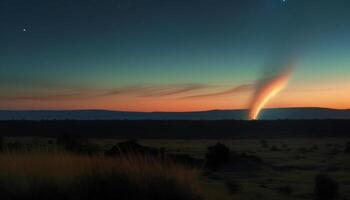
x: 179, y: 129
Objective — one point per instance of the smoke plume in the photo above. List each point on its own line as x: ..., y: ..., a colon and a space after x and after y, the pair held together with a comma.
x: 267, y: 89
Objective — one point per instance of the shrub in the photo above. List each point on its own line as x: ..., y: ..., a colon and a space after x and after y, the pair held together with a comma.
x: 233, y: 186
x: 264, y: 144
x: 274, y: 148
x: 131, y: 146
x: 69, y: 142
x: 347, y: 147
x: 217, y: 156
x: 285, y: 189
x: 74, y: 143
x: 303, y: 150
x: 1, y: 143
x: 325, y: 188
x: 314, y: 148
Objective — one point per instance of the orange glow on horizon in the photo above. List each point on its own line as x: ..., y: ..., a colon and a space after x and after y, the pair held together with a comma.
x: 306, y: 93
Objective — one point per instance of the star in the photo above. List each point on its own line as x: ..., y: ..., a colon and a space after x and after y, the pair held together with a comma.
x: 24, y: 30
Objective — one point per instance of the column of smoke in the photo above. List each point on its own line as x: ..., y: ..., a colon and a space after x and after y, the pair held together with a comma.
x: 286, y: 45
x: 276, y: 75
x: 267, y: 89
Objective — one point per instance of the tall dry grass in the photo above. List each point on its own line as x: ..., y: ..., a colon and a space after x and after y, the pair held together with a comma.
x: 61, y: 175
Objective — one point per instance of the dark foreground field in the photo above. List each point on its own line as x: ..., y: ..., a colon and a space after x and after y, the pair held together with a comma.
x: 60, y: 162
x: 172, y: 129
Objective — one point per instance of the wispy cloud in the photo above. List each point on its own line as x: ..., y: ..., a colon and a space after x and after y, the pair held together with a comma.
x: 79, y: 93
x: 176, y: 90
x: 158, y: 90
x: 235, y: 90
x: 34, y: 89
x: 47, y: 97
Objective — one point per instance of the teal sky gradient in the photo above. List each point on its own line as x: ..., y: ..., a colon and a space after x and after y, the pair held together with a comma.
x: 104, y: 45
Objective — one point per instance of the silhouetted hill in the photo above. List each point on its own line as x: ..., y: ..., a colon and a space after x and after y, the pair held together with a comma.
x: 268, y: 114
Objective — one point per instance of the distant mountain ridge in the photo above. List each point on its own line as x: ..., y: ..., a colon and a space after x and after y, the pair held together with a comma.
x: 267, y: 114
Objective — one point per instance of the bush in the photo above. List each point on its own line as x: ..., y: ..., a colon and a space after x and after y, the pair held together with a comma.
x: 217, y: 156
x: 69, y: 142
x: 132, y: 147
x: 347, y: 147
x: 264, y: 144
x: 233, y: 186
x: 285, y: 189
x: 1, y: 143
x: 74, y: 143
x: 325, y: 188
x: 314, y: 148
x: 303, y: 150
x: 274, y: 148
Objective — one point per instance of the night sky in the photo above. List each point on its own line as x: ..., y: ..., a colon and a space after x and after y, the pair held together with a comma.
x: 171, y: 55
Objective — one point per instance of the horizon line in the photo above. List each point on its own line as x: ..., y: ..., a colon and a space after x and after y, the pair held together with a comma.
x: 107, y: 110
